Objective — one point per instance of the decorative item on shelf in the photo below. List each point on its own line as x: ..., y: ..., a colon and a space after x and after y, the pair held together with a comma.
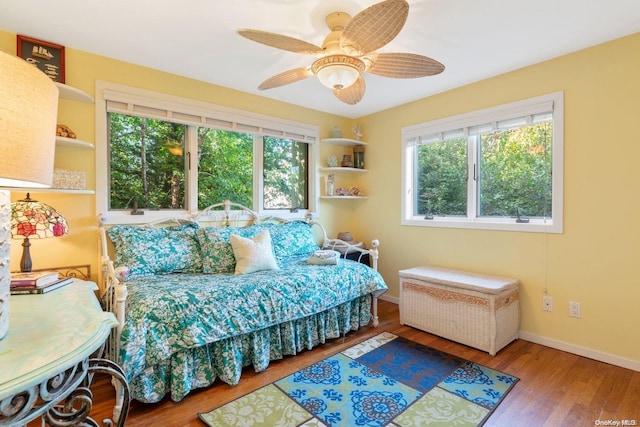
x: 342, y: 192
x: 355, y: 192
x: 33, y: 219
x: 335, y: 132
x: 332, y: 161
x: 357, y: 132
x: 69, y: 179
x: 65, y: 131
x: 358, y: 157
x: 346, y: 161
x: 330, y: 185
x: 28, y: 110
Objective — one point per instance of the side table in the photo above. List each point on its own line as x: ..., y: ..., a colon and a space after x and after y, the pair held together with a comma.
x: 357, y: 256
x: 50, y: 355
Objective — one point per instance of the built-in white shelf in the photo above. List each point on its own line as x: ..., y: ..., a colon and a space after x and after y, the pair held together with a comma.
x: 72, y: 142
x: 341, y: 169
x: 74, y: 94
x: 50, y: 190
x: 343, y: 141
x: 344, y: 197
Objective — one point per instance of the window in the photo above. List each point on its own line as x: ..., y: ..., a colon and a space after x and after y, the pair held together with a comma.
x: 146, y: 166
x: 499, y: 168
x: 285, y: 174
x: 225, y: 167
x: 166, y: 156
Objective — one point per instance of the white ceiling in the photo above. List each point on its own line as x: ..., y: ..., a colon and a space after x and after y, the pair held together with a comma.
x: 474, y: 39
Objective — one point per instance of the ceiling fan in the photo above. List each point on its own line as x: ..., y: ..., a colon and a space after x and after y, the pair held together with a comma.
x: 349, y: 50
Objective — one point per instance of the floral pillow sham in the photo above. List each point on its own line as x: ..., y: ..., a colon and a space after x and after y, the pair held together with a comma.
x: 147, y: 251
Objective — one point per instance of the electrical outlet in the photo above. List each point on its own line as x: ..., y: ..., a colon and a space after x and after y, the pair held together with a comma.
x: 547, y: 303
x: 574, y: 309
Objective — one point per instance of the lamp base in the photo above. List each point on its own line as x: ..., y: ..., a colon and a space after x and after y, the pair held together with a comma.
x: 25, y: 261
x: 5, y: 269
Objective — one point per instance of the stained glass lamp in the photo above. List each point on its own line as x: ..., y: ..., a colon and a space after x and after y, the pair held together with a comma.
x: 33, y: 219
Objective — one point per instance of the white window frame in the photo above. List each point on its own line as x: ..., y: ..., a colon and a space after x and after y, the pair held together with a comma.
x: 465, y: 121
x: 140, y: 102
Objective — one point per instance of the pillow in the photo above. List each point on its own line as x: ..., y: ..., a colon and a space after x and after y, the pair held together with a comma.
x: 324, y: 257
x: 253, y: 254
x: 216, y: 251
x: 147, y: 251
x: 292, y: 240
x: 215, y: 246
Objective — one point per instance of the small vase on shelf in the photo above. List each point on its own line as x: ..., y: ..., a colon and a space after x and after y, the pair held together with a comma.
x: 346, y: 161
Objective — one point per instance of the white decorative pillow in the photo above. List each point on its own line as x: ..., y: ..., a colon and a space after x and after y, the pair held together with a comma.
x: 253, y: 254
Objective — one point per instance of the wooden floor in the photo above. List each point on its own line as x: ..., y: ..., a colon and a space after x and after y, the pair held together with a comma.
x: 555, y: 388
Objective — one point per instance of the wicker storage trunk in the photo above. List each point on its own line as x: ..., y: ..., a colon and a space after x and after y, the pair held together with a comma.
x: 473, y: 309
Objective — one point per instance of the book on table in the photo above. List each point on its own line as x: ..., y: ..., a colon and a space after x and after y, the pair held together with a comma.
x: 41, y: 289
x: 34, y: 278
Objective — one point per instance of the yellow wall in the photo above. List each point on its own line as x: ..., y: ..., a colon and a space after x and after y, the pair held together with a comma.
x: 592, y: 262
x: 595, y: 260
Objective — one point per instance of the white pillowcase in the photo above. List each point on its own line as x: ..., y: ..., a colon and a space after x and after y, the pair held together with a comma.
x: 253, y: 254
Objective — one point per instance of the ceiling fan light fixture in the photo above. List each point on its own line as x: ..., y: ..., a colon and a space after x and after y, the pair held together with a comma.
x: 338, y: 71
x: 349, y: 51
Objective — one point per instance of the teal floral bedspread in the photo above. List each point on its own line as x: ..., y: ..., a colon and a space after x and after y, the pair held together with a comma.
x: 183, y: 331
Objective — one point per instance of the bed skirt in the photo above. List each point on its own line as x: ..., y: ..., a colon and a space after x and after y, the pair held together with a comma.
x: 199, y: 367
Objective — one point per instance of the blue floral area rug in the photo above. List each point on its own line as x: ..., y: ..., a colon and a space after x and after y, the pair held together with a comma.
x: 384, y: 381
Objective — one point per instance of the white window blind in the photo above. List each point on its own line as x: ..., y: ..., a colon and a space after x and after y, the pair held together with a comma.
x: 209, y: 115
x: 503, y: 118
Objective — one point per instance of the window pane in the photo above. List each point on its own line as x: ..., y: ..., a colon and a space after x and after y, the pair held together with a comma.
x: 442, y: 178
x: 147, y: 167
x: 515, y: 172
x: 285, y: 174
x: 225, y: 167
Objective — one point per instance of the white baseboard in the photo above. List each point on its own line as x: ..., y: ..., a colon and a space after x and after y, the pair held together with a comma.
x: 590, y: 353
x: 565, y: 346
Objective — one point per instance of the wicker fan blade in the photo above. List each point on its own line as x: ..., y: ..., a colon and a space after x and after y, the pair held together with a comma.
x: 353, y: 94
x: 281, y: 42
x: 374, y: 27
x: 403, y: 65
x: 290, y: 76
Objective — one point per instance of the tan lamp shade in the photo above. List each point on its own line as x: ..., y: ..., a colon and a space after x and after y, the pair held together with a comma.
x: 28, y: 113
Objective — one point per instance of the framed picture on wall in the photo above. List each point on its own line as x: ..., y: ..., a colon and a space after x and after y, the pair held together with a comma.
x: 48, y: 57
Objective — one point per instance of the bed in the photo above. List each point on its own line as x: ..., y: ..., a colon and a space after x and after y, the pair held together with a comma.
x: 198, y: 301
